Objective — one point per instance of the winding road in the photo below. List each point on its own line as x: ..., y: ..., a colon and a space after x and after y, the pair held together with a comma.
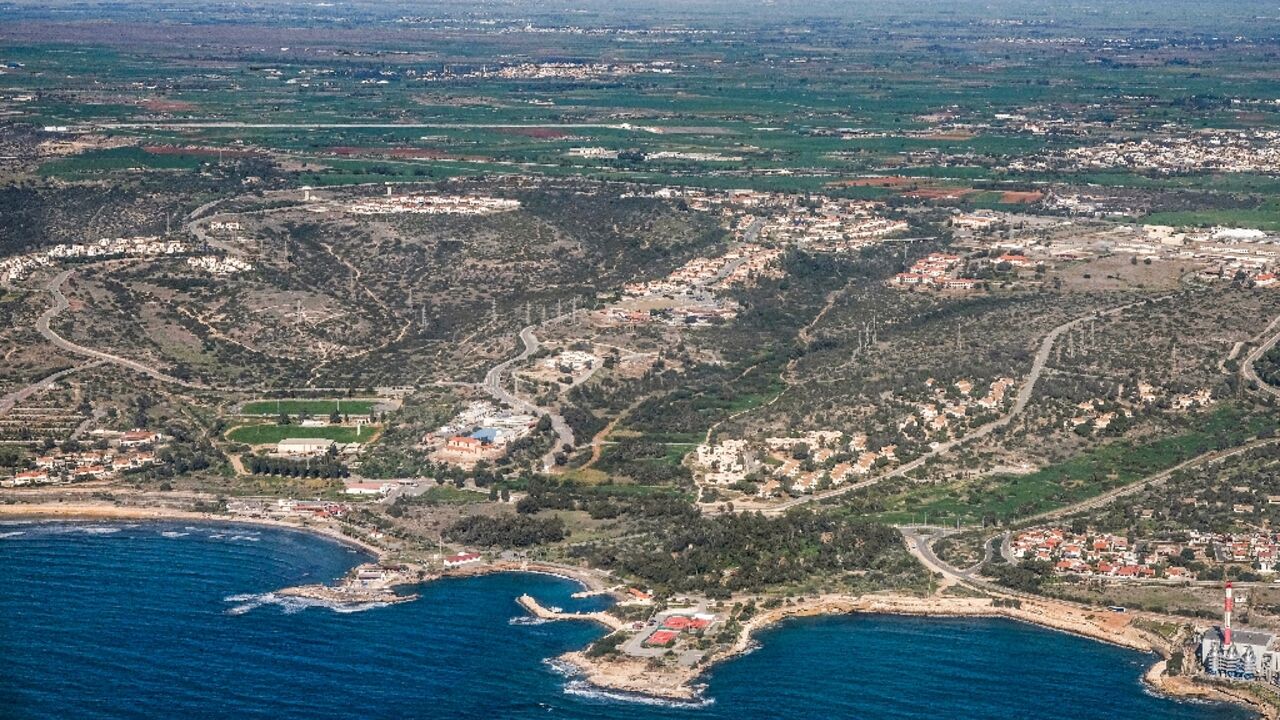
x: 11, y: 400
x: 492, y: 384
x: 1248, y: 372
x: 1147, y: 482
x: 60, y: 304
x: 1023, y: 397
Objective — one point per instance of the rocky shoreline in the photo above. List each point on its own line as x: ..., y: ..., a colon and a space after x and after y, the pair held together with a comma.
x: 368, y: 583
x: 636, y: 677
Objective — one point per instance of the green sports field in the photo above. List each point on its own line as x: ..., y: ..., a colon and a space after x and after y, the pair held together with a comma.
x: 269, y: 434
x: 311, y: 407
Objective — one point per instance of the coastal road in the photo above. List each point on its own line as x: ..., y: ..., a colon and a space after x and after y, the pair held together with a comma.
x: 1248, y: 372
x: 920, y: 539
x: 60, y: 304
x: 1019, y: 404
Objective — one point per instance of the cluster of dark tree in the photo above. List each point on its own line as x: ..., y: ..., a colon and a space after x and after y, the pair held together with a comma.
x: 286, y: 467
x: 600, y: 502
x: 584, y: 423
x: 645, y: 462
x: 762, y: 340
x: 626, y: 237
x: 1029, y: 576
x: 1268, y: 366
x: 723, y: 554
x: 180, y: 458
x: 11, y: 456
x: 506, y: 531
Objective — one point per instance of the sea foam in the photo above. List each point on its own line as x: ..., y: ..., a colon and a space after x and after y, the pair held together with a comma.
x: 578, y: 687
x: 290, y: 605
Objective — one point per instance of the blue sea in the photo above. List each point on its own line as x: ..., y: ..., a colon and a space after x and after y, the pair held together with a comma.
x: 166, y: 620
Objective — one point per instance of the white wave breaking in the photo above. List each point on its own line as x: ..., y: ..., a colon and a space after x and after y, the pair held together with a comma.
x: 527, y: 620
x: 290, y: 605
x: 92, y: 529
x: 13, y: 534
x: 579, y: 687
x: 584, y: 689
x: 174, y: 534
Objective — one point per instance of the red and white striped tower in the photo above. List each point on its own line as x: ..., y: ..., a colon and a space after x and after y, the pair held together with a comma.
x: 1227, y: 606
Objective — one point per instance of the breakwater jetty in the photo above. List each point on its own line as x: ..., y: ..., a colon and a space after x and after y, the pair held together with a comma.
x: 537, y: 609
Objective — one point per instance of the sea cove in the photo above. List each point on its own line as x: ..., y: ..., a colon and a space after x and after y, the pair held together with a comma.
x: 181, y: 620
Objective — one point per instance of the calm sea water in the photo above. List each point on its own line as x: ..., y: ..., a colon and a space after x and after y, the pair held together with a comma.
x: 174, y: 621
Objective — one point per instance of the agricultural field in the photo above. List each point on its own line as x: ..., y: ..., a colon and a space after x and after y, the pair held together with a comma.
x: 640, y: 289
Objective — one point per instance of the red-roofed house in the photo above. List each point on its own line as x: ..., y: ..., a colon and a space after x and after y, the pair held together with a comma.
x: 677, y: 622
x: 661, y: 638
x: 138, y: 437
x: 30, y: 476
x: 1016, y: 260
x: 461, y: 559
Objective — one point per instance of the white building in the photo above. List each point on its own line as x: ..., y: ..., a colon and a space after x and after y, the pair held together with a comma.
x: 304, y: 446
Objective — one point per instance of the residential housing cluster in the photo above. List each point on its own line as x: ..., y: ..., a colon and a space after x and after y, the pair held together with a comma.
x: 434, y: 205
x: 1212, y: 150
x: 220, y: 264
x: 827, y: 224
x: 19, y: 267
x: 764, y: 226
x: 552, y: 70
x: 936, y: 270
x: 797, y: 464
x: 944, y: 409
x: 128, y: 451
x: 1097, y: 554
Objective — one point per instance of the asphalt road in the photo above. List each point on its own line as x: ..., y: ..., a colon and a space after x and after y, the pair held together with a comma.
x: 60, y: 304
x: 1247, y: 370
x: 492, y: 384
x: 1150, y: 481
x: 1019, y: 404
